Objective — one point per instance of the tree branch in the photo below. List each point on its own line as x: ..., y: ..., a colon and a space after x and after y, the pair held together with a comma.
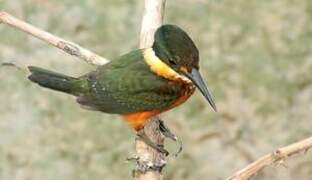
x: 67, y: 46
x: 152, y: 19
x: 278, y: 156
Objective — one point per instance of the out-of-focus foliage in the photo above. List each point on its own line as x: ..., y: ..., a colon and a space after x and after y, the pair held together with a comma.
x: 255, y: 56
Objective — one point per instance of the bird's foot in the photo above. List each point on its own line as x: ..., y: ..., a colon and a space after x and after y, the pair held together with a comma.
x: 168, y: 134
x: 165, y: 131
x: 142, y: 135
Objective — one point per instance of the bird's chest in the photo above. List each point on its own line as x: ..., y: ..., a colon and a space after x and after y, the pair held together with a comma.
x: 185, y: 92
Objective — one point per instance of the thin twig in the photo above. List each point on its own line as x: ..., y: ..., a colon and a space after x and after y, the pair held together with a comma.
x: 67, y: 46
x: 151, y: 21
x: 12, y: 64
x: 278, y: 156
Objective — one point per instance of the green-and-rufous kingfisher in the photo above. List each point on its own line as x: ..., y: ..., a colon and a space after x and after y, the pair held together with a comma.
x: 140, y: 84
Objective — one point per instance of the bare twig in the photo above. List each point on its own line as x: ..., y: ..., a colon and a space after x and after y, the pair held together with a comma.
x: 12, y: 64
x: 152, y: 19
x: 278, y: 156
x: 67, y: 46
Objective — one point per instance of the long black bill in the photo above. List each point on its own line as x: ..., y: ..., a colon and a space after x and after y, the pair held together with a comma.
x: 196, y: 78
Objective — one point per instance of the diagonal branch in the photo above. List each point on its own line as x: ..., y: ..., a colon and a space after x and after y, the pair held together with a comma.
x: 67, y: 46
x: 278, y: 156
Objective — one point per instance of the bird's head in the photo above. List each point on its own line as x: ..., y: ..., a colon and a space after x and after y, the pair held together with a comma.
x: 176, y: 49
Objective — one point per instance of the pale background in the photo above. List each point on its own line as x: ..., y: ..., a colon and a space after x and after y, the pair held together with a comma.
x: 255, y: 56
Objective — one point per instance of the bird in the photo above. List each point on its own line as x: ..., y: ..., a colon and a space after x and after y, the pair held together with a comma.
x: 140, y: 84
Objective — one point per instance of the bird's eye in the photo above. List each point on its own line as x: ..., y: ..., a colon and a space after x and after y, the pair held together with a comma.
x: 172, y: 62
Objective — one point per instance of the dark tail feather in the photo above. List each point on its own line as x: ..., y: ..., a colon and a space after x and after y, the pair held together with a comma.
x: 52, y: 80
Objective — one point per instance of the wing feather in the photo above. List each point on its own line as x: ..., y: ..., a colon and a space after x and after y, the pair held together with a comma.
x: 127, y: 85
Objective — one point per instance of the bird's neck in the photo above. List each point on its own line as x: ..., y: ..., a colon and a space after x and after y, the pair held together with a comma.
x: 162, y: 69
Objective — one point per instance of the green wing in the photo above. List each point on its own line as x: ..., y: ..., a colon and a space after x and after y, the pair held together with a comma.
x: 128, y: 85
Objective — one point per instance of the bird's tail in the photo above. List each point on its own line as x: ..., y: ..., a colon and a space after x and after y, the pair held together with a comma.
x: 56, y: 81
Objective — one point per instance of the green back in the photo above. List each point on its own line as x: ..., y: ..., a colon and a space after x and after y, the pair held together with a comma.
x: 128, y: 85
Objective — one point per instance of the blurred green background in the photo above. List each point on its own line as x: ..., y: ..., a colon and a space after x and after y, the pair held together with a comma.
x: 255, y: 56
